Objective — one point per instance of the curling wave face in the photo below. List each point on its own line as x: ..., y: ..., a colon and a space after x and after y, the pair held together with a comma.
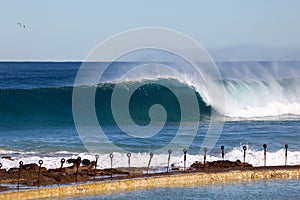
x: 53, y: 105
x: 244, y: 100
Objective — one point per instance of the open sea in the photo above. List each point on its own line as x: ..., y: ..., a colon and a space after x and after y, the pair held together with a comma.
x: 262, y: 107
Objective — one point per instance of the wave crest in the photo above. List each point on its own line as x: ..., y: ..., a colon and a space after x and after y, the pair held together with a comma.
x: 254, y: 99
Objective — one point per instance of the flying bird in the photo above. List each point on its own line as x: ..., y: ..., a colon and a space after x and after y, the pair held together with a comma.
x: 21, y: 25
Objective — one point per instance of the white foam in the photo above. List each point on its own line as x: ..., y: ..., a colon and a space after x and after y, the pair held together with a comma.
x: 253, y: 157
x: 256, y: 158
x: 4, y: 151
x: 257, y: 98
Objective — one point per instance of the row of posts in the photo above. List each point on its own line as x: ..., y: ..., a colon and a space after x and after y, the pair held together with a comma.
x: 204, y: 157
x: 265, y: 153
x: 111, y: 156
x: 286, y: 146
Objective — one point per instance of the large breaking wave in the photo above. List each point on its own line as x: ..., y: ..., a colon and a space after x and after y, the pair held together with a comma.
x: 244, y: 100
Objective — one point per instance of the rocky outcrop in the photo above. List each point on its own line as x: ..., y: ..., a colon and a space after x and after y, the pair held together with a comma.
x: 78, y: 172
x: 220, y: 164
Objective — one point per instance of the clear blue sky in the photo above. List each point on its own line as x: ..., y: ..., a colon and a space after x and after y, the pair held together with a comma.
x: 68, y: 30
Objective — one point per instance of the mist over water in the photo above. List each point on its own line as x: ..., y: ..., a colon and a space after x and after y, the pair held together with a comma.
x: 261, y: 89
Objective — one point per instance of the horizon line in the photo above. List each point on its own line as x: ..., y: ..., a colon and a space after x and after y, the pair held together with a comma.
x: 215, y: 60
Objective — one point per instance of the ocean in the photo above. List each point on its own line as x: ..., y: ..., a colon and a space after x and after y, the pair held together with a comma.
x: 263, y: 189
x: 37, y: 121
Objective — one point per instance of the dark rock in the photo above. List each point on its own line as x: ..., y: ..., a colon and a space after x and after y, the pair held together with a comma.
x: 7, y: 157
x: 57, y: 178
x: 93, y: 163
x: 197, y: 165
x: 71, y: 160
x: 33, y: 167
x: 86, y: 162
x: 3, y: 188
x: 220, y: 164
x: 13, y: 170
x: 30, y: 167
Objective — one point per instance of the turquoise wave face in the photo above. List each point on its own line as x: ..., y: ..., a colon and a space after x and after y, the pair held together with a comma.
x: 36, y: 107
x: 40, y: 93
x: 53, y: 105
x: 46, y: 106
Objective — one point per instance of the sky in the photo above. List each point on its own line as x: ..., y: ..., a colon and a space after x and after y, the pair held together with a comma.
x: 70, y: 29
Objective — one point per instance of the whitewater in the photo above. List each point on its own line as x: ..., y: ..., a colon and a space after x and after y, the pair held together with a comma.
x: 158, y: 163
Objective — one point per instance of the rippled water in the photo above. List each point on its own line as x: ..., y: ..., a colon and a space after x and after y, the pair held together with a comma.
x: 262, y: 189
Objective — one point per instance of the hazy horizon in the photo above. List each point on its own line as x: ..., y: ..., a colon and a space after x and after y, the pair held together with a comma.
x: 238, y: 53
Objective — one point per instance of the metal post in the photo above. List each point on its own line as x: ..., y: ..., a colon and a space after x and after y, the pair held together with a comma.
x: 245, y: 149
x: 169, y: 152
x: 128, y: 155
x: 78, y: 161
x: 62, y: 161
x: 19, y: 176
x: 286, y: 150
x: 95, y: 169
x: 38, y: 181
x: 0, y: 169
x: 205, y: 150
x: 265, y: 154
x: 222, y: 148
x: 111, y: 164
x: 184, y: 158
x: 151, y: 155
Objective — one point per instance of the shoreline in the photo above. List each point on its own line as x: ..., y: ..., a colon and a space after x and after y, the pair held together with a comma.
x: 125, y: 184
